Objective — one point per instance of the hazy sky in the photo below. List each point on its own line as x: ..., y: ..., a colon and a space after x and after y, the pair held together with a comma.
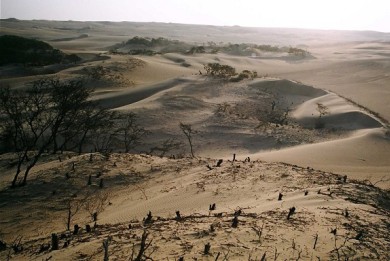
x: 319, y: 14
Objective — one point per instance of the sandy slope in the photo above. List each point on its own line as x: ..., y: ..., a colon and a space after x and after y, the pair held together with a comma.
x: 137, y: 184
x: 364, y: 155
x: 364, y: 152
x: 167, y: 89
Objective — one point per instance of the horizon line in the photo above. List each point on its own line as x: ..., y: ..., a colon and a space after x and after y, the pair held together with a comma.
x: 198, y: 24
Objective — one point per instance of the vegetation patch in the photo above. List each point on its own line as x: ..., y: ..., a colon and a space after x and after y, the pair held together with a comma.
x: 228, y: 72
x: 20, y: 50
x: 152, y: 46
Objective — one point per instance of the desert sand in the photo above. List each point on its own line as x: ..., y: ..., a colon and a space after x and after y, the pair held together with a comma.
x: 337, y: 177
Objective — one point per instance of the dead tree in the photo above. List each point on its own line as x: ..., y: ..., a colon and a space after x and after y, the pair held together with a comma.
x: 76, y: 229
x: 88, y: 228
x: 73, y: 206
x: 315, y: 241
x: 3, y: 246
x: 33, y: 118
x: 212, y: 228
x: 188, y: 132
x: 219, y: 163
x: 207, y: 249
x: 95, y: 203
x: 346, y: 213
x: 54, y: 241
x: 291, y: 212
x: 129, y: 132
x: 106, y: 242
x: 144, y: 246
x: 178, y: 216
x: 235, y: 222
x: 149, y: 218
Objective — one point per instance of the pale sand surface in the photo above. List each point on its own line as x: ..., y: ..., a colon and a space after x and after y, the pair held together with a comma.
x: 355, y: 142
x: 139, y: 183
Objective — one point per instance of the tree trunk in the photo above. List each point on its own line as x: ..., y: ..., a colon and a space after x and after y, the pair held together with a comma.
x: 13, y: 184
x: 31, y: 165
x: 105, y: 246
x: 55, y: 146
x: 192, y: 151
x: 18, y: 170
x: 142, y: 247
x: 69, y: 217
x: 81, y: 143
x: 127, y: 145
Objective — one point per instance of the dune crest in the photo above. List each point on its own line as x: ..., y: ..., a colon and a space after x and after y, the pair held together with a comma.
x: 339, y: 114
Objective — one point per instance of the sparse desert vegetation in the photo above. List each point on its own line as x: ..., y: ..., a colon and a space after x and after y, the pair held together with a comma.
x: 153, y: 46
x: 139, y: 146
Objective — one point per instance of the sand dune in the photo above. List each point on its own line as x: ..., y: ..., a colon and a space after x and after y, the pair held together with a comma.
x: 357, y: 154
x: 364, y: 155
x: 122, y: 98
x: 339, y: 114
x: 307, y: 165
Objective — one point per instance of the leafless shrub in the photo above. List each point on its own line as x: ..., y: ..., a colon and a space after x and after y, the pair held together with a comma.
x: 143, y: 248
x: 322, y: 110
x: 95, y: 203
x: 73, y: 206
x: 188, y: 132
x: 259, y: 231
x: 167, y: 146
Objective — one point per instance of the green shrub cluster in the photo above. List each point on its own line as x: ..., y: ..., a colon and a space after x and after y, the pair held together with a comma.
x: 219, y: 70
x: 228, y: 72
x: 16, y: 49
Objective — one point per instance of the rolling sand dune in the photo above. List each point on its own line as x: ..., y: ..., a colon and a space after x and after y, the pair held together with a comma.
x: 364, y: 155
x: 115, y: 100
x: 358, y: 154
x: 333, y: 176
x: 339, y: 114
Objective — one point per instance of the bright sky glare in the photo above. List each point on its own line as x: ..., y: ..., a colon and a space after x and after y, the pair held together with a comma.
x: 320, y: 14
